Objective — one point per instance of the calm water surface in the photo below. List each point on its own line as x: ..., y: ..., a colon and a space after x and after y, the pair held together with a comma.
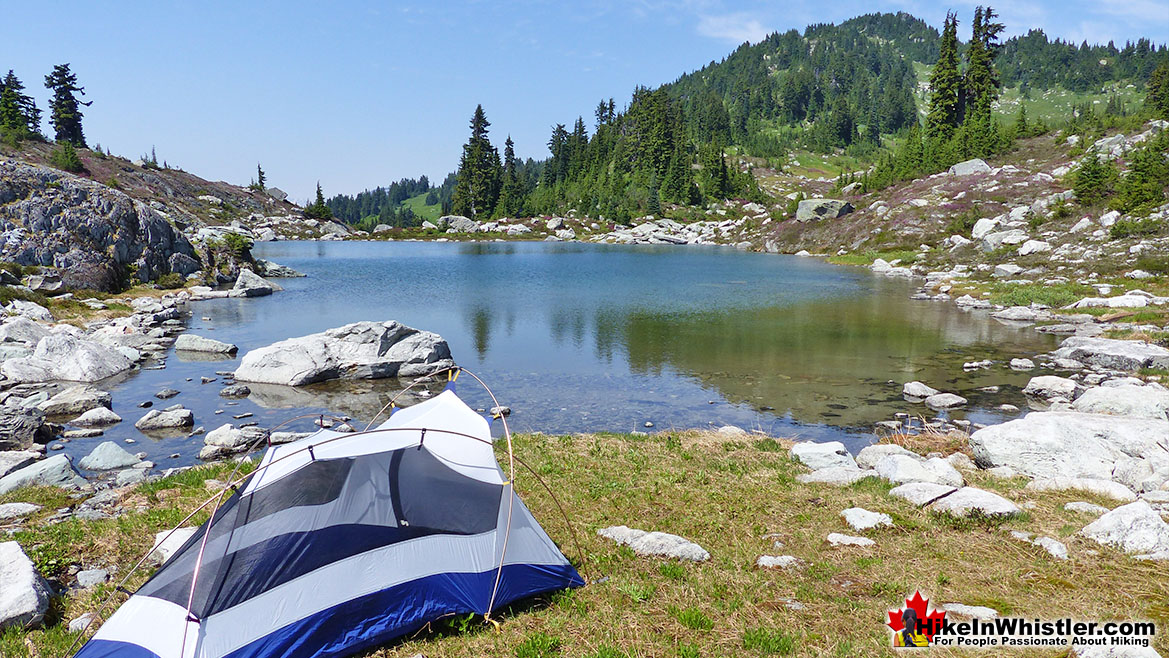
x: 581, y: 337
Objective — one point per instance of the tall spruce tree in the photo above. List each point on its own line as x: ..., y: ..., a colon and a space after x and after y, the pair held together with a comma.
x: 65, y: 109
x: 511, y: 191
x: 945, y: 86
x: 981, y: 88
x: 1158, y: 99
x: 19, y: 116
x: 477, y: 190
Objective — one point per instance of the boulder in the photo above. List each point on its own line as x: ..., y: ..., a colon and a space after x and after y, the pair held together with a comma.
x: 1128, y: 400
x: 1006, y: 270
x: 75, y: 400
x: 1020, y: 314
x: 193, y: 343
x: 992, y: 241
x: 24, y: 598
x: 1047, y: 387
x: 655, y: 544
x: 870, y: 455
x: 14, y: 460
x: 1133, y: 528
x: 817, y: 209
x: 459, y: 223
x: 167, y: 542
x: 778, y: 562
x: 92, y: 578
x: 863, y: 519
x: 277, y: 271
x: 822, y: 455
x: 1094, y: 485
x: 969, y: 500
x: 1114, y: 354
x: 29, y: 310
x: 921, y: 493
x: 362, y: 350
x: 235, y: 391
x: 1077, y: 445
x: 1034, y: 247
x: 901, y: 469
x: 22, y: 330
x: 157, y: 420
x: 222, y: 441
x: 20, y: 428
x: 108, y: 456
x: 983, y: 227
x: 918, y: 390
x: 1086, y: 508
x: 64, y: 356
x: 56, y: 471
x: 250, y: 284
x: 969, y: 167
x: 945, y: 401
x: 97, y: 417
x: 10, y: 511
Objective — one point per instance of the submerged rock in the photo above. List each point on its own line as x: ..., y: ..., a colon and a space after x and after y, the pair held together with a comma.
x: 362, y: 350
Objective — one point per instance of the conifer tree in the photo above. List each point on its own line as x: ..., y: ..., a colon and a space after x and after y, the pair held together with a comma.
x: 65, y: 109
x: 477, y: 190
x: 261, y: 179
x: 19, y: 116
x: 511, y: 201
x: 319, y: 209
x: 945, y: 86
x: 678, y: 186
x: 1158, y: 99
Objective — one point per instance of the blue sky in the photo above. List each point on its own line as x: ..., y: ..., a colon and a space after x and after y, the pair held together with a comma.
x: 357, y: 94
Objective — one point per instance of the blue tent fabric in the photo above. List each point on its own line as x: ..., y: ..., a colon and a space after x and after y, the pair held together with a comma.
x: 331, y: 551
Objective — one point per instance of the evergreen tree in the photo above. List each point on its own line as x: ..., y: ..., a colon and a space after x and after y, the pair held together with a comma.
x: 1095, y: 179
x: 319, y: 209
x: 1021, y: 127
x: 945, y: 86
x: 1158, y: 99
x: 19, y: 116
x: 1142, y: 188
x: 261, y: 179
x: 678, y: 186
x: 477, y: 190
x: 981, y: 87
x: 511, y: 192
x: 65, y: 109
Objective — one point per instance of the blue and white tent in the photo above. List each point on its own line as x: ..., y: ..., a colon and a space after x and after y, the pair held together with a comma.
x: 341, y: 542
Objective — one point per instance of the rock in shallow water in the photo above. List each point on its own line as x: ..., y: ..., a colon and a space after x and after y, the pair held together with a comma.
x: 107, y: 457
x: 193, y: 343
x: 167, y: 419
x: 362, y: 350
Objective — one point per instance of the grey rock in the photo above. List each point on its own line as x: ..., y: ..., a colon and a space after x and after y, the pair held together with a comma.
x: 278, y: 271
x: 1099, y: 486
x: 968, y: 500
x: 12, y: 460
x: 21, y: 428
x: 970, y: 611
x: 131, y: 476
x: 92, y: 578
x: 97, y: 417
x: 969, y: 167
x: 817, y: 209
x: 823, y: 455
x: 902, y: 469
x: 81, y: 623
x: 193, y: 343
x: 778, y: 562
x: 56, y: 471
x: 75, y: 400
x: 64, y: 356
x: 90, y: 232
x: 1126, y: 400
x: 10, y: 511
x: 836, y: 475
x: 1133, y: 528
x: 918, y: 390
x: 921, y: 493
x: 1086, y: 508
x: 1077, y: 445
x: 1114, y: 354
x: 362, y: 350
x: 655, y: 544
x: 863, y: 519
x: 107, y: 457
x: 166, y: 394
x: 870, y: 455
x: 29, y: 310
x: 163, y: 420
x: 250, y: 284
x: 945, y: 401
x: 22, y: 330
x: 235, y: 391
x: 838, y: 539
x: 1047, y: 387
x: 24, y: 598
x: 457, y: 222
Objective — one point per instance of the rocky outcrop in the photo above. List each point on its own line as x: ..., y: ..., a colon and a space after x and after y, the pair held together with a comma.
x: 1128, y: 355
x: 1150, y: 401
x: 817, y: 209
x: 21, y: 427
x: 56, y: 471
x: 1132, y: 451
x: 1133, y: 528
x: 362, y: 350
x: 91, y: 233
x: 250, y: 284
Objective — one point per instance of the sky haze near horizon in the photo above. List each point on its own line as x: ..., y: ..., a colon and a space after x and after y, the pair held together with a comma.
x: 359, y: 94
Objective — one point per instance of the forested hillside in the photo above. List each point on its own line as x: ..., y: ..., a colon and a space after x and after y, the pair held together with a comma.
x: 889, y: 90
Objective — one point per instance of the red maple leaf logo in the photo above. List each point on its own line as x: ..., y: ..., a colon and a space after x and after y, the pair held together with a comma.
x: 930, y: 620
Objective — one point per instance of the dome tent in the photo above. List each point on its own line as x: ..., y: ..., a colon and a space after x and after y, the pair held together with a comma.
x: 342, y: 542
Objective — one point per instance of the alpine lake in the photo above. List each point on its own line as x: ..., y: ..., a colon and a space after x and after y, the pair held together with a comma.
x: 586, y: 338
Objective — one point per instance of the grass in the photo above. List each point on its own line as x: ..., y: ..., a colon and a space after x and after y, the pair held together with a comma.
x: 1053, y: 295
x: 421, y: 210
x: 729, y: 496
x: 906, y: 256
